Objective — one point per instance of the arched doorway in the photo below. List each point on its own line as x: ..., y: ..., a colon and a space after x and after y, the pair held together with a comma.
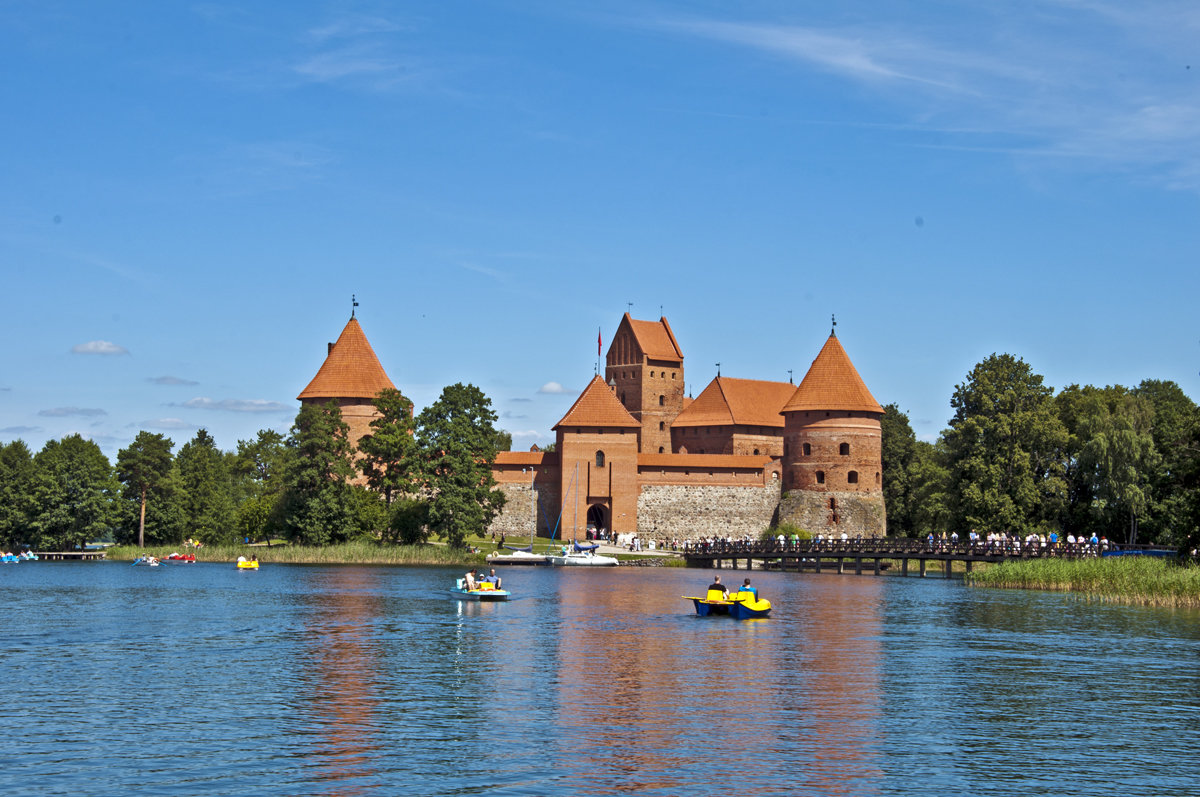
x: 598, y: 526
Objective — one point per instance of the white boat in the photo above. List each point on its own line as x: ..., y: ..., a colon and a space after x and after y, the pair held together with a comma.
x: 582, y: 556
x: 516, y: 557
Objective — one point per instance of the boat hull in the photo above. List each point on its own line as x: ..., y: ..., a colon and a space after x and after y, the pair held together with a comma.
x: 480, y: 595
x: 518, y: 558
x: 582, y: 560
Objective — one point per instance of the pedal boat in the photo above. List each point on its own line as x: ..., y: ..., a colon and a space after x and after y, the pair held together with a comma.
x: 251, y: 565
x: 739, y: 605
x: 484, y: 591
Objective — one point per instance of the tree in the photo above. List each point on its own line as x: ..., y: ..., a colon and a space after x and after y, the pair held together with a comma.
x: 206, y: 495
x: 259, y: 469
x: 1173, y: 496
x: 16, y: 484
x: 1118, y: 452
x: 1003, y: 450
x: 390, y: 460
x: 143, y: 467
x: 73, y: 488
x: 318, y: 508
x: 457, y: 439
x: 899, y: 447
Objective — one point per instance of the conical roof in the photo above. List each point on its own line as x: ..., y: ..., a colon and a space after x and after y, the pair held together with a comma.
x: 351, y: 369
x: 832, y: 383
x: 597, y: 405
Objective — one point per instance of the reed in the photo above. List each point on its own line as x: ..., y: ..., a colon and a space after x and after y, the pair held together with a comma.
x: 363, y: 553
x: 1126, y: 579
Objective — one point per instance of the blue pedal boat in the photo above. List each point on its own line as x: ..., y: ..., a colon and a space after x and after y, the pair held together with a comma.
x: 744, y: 605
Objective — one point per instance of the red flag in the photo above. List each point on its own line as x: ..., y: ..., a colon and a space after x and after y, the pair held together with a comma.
x: 598, y: 342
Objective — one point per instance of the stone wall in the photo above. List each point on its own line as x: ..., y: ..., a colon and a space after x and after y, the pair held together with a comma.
x: 693, y: 511
x: 516, y: 517
x: 831, y: 513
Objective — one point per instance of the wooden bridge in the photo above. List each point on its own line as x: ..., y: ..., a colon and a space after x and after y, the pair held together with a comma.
x: 880, y: 553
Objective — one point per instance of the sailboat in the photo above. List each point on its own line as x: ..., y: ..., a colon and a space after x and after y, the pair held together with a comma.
x: 520, y: 556
x: 579, y: 555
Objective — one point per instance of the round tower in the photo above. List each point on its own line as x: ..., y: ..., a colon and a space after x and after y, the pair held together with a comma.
x: 832, y: 451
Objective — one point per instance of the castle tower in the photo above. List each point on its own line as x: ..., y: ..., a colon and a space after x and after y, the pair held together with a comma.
x: 832, y: 450
x: 352, y: 376
x: 597, y: 446
x: 644, y: 366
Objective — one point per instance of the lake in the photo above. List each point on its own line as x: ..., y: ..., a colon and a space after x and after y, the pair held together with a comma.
x: 355, y: 680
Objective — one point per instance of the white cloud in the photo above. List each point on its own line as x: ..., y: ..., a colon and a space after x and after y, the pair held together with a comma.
x: 233, y: 405
x: 20, y: 429
x: 170, y: 380
x: 98, y: 347
x: 168, y: 423
x: 553, y: 388
x: 64, y: 412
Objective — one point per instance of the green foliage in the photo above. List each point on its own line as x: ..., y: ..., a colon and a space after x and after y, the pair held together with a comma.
x: 1003, y: 450
x: 1126, y: 579
x: 900, y: 465
x: 318, y: 507
x: 788, y: 530
x: 409, y: 522
x: 390, y: 460
x: 72, y: 492
x: 16, y: 485
x: 1173, y: 505
x: 144, y: 470
x: 206, y: 491
x: 457, y: 439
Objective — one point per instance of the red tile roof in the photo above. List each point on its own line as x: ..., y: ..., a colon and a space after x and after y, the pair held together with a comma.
x: 655, y: 339
x: 526, y: 458
x: 597, y: 405
x: 744, y: 402
x: 351, y: 369
x: 832, y: 383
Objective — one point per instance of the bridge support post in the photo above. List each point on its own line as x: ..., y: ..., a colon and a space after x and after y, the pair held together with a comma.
x: 904, y: 567
x: 818, y: 561
x: 949, y: 567
x: 967, y: 565
x: 922, y: 568
x: 877, y: 566
x: 858, y: 565
x: 841, y: 565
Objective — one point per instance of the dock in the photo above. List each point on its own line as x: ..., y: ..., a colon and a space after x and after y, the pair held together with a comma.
x: 61, y: 556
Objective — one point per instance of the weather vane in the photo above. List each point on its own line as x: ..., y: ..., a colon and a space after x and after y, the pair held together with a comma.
x: 834, y: 319
x: 628, y: 307
x: 718, y: 369
x: 353, y: 304
x: 789, y: 376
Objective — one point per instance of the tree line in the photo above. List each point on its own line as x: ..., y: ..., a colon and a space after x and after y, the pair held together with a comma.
x: 413, y: 476
x: 1018, y: 458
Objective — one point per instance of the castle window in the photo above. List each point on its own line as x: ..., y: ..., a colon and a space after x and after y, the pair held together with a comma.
x: 599, y: 459
x: 876, y: 478
x: 661, y: 426
x: 807, y: 450
x: 852, y: 477
x: 660, y: 450
x: 833, y: 503
x: 672, y: 374
x: 651, y: 374
x: 844, y: 449
x: 820, y: 477
x: 756, y: 452
x: 662, y: 400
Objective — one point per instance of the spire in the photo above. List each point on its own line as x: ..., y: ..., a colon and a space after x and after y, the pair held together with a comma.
x: 832, y: 383
x: 351, y: 370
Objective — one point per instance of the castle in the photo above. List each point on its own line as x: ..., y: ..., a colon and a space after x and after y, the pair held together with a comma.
x: 634, y: 455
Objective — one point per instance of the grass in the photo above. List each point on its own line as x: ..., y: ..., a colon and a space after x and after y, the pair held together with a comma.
x: 363, y: 553
x: 1126, y: 579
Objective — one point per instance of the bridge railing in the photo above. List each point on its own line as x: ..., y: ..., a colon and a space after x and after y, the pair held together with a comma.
x: 898, y: 547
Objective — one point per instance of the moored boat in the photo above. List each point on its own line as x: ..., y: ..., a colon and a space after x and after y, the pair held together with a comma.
x: 742, y: 605
x: 581, y: 555
x: 517, y: 557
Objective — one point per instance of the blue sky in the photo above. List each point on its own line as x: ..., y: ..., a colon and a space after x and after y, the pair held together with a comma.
x: 191, y: 193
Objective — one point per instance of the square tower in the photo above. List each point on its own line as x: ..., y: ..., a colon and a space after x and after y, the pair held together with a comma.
x: 644, y: 366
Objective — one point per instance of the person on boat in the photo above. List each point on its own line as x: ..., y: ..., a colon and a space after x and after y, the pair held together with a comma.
x: 492, y: 577
x: 747, y: 588
x: 241, y: 558
x: 469, y: 579
x: 254, y: 558
x: 719, y: 587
